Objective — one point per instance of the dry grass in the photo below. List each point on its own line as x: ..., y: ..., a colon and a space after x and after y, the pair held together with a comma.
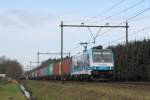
x: 56, y: 90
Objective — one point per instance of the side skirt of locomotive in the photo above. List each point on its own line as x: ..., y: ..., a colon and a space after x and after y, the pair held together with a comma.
x: 95, y: 75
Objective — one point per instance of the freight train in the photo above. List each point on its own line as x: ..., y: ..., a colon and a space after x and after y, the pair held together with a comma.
x: 95, y: 63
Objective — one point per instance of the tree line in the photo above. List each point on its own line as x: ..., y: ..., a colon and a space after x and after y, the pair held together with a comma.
x: 137, y: 67
x: 11, y: 68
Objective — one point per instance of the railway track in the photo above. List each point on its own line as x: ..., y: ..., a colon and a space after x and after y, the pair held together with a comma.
x: 102, y: 82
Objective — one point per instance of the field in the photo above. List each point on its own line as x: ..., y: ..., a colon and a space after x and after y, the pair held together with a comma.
x: 57, y: 90
x: 11, y: 91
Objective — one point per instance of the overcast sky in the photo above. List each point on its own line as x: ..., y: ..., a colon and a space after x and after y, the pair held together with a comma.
x: 28, y: 26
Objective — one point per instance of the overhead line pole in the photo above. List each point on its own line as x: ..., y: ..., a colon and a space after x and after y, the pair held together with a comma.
x: 38, y: 62
x: 30, y: 65
x: 31, y: 62
x: 127, y: 51
x: 108, y: 26
x: 61, y: 44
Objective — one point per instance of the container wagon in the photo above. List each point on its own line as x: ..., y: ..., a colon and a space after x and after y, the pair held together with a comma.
x: 66, y: 69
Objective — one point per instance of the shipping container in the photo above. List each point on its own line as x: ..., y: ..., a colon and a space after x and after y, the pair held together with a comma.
x: 36, y: 73
x: 66, y: 69
x: 66, y: 66
x: 56, y: 69
x: 40, y: 72
x: 43, y: 71
x: 33, y: 75
x: 50, y: 69
x: 46, y: 71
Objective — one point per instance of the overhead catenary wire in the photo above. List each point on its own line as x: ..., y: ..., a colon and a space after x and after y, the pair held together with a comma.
x: 91, y: 33
x: 103, y: 12
x: 125, y: 10
x: 107, y: 10
x: 122, y: 11
x: 143, y: 29
x: 74, y: 48
x: 139, y: 19
x: 146, y: 9
x: 97, y: 34
x: 130, y: 18
x: 88, y: 41
x: 131, y: 34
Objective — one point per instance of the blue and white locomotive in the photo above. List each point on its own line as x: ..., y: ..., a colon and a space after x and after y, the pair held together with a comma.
x: 93, y: 63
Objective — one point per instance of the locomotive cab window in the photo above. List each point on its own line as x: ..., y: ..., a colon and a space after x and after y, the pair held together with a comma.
x: 102, y: 56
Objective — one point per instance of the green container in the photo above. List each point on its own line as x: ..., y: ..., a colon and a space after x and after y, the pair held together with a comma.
x: 50, y: 69
x: 33, y: 74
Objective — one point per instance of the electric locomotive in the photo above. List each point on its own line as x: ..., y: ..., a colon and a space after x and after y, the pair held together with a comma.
x: 94, y: 63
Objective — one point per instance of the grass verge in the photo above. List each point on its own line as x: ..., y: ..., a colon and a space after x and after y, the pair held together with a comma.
x: 56, y: 90
x: 11, y: 91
